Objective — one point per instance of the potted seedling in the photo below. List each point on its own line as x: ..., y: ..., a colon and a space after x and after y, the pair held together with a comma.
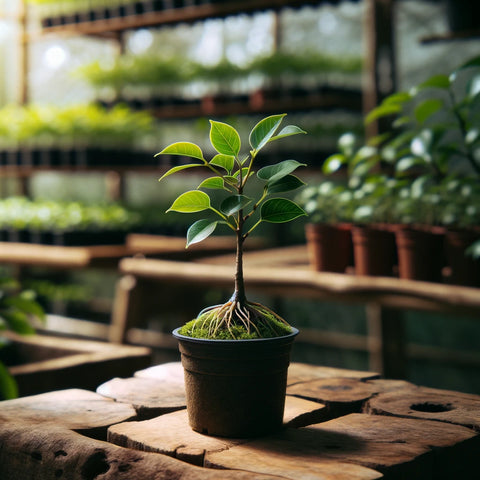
x: 236, y: 355
x: 328, y: 231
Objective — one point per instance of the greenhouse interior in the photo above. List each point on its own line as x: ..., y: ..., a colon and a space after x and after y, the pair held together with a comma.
x: 239, y: 172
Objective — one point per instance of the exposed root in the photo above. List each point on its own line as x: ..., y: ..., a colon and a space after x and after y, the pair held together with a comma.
x: 256, y: 320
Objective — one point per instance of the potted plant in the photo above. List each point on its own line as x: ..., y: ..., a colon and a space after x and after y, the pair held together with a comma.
x: 368, y: 204
x: 460, y: 215
x: 328, y: 236
x: 434, y: 145
x: 418, y: 237
x: 236, y: 355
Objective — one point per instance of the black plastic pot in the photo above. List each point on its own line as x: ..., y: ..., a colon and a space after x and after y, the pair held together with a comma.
x: 235, y: 388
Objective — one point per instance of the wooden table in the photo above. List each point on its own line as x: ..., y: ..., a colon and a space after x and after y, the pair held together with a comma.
x: 285, y: 272
x: 338, y: 425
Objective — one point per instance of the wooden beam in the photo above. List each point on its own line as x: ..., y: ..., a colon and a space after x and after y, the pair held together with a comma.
x: 380, y: 64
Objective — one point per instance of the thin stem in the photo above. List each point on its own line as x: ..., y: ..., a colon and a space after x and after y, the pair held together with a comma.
x: 253, y: 154
x: 239, y: 293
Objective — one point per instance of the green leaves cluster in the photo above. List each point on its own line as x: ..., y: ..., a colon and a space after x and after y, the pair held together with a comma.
x: 231, y: 172
x: 50, y: 215
x: 435, y: 128
x: 145, y: 70
x: 425, y: 168
x: 17, y: 308
x: 92, y: 125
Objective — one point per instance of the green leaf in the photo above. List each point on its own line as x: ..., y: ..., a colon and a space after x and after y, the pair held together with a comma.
x: 244, y: 172
x: 285, y: 184
x: 421, y: 185
x: 234, y: 203
x: 224, y: 138
x: 474, y: 250
x: 407, y: 163
x: 397, y: 98
x: 273, y: 173
x: 8, y: 386
x: 333, y: 163
x: 224, y: 161
x: 426, y: 109
x: 437, y: 81
x: 363, y: 168
x: 200, y: 230
x: 231, y: 180
x: 364, y: 154
x: 474, y: 62
x: 186, y: 149
x: 18, y: 322
x: 190, y: 202
x: 213, y: 182
x: 383, y: 110
x: 178, y: 169
x: 264, y: 130
x: 288, y: 131
x: 280, y: 210
x: 25, y: 305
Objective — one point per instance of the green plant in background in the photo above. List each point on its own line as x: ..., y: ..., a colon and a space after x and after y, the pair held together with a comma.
x: 368, y: 196
x: 435, y: 128
x: 49, y: 215
x: 17, y: 310
x: 145, y: 70
x: 328, y: 201
x: 71, y: 126
x: 429, y: 159
x: 232, y: 173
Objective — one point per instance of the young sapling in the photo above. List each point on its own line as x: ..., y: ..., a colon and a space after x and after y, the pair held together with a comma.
x: 231, y: 172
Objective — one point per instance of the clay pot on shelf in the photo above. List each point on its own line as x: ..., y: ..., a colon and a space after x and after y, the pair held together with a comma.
x: 462, y: 268
x: 329, y: 246
x: 374, y: 250
x: 420, y: 253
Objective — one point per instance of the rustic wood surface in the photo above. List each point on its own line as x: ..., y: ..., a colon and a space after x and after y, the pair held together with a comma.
x: 430, y: 404
x: 171, y: 372
x: 73, y: 409
x: 170, y: 434
x: 49, y: 452
x: 398, y: 448
x: 150, y: 397
x: 303, y: 372
x: 79, y: 434
x: 49, y: 363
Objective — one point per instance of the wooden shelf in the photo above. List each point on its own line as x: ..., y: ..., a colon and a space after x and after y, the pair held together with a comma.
x: 452, y: 36
x: 174, y: 16
x: 108, y: 256
x: 324, y: 99
x: 61, y: 257
x: 285, y: 271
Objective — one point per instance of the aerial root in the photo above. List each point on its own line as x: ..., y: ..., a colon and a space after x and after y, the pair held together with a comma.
x: 253, y: 316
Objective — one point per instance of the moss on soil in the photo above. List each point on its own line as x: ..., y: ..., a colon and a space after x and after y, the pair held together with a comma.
x: 199, y: 328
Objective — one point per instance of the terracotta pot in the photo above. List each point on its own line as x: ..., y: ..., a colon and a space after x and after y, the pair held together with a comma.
x: 235, y: 388
x: 374, y: 250
x: 420, y: 253
x: 329, y: 247
x: 464, y: 270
